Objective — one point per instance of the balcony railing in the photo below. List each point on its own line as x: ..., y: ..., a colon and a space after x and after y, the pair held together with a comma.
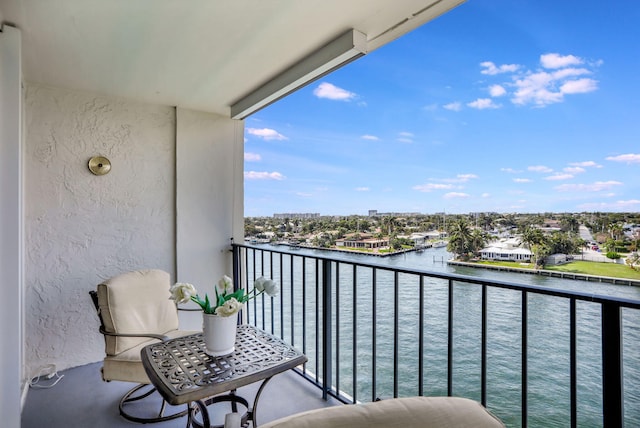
x: 533, y: 355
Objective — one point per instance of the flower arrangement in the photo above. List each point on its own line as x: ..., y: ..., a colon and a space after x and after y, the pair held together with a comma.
x: 227, y: 301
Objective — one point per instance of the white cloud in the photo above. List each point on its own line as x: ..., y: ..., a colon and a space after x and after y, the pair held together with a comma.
x: 543, y: 88
x: 455, y: 106
x: 362, y: 189
x: 574, y: 170
x: 452, y: 195
x: 483, y: 103
x: 540, y: 168
x: 497, y: 90
x: 304, y: 195
x: 491, y: 69
x: 266, y: 134
x: 405, y: 137
x: 332, y: 92
x: 627, y: 158
x: 586, y: 164
x: 466, y: 177
x: 566, y: 73
x: 252, y: 157
x: 370, y: 137
x: 557, y: 76
x: 554, y: 60
x: 263, y: 175
x: 460, y: 178
x: 630, y: 205
x: 486, y: 195
x: 534, y: 89
x: 510, y: 170
x: 428, y: 187
x: 598, y: 186
x: 580, y: 86
x: 522, y: 180
x: 558, y: 177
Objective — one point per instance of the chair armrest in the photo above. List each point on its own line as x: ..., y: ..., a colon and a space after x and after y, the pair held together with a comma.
x: 190, y: 309
x: 160, y: 337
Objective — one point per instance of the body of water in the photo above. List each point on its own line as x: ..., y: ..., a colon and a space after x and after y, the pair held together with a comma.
x: 548, y: 337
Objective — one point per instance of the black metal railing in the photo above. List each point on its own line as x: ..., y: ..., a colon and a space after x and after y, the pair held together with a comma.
x: 360, y: 352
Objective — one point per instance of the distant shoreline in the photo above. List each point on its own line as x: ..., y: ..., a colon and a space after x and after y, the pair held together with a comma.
x: 542, y: 272
x: 552, y: 273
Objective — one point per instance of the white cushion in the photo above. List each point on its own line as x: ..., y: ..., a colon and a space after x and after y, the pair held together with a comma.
x: 410, y: 412
x: 133, y: 303
x: 127, y: 366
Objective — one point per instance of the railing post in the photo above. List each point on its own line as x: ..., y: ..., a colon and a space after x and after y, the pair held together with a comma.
x: 612, y: 381
x: 326, y: 328
x: 236, y: 264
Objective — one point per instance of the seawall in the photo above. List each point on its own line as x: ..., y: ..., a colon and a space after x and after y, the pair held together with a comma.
x: 552, y: 273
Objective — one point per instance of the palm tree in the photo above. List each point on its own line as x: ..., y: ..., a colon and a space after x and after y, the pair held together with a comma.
x: 459, y: 237
x: 569, y: 223
x: 532, y: 236
x: 388, y: 223
x: 477, y: 241
x: 615, y: 230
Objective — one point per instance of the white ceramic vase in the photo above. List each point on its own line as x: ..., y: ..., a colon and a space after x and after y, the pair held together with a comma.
x: 219, y: 334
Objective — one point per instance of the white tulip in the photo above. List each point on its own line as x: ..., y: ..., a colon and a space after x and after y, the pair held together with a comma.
x: 181, y: 292
x: 230, y: 307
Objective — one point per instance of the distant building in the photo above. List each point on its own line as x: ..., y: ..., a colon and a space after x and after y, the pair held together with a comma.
x: 362, y: 241
x: 422, y: 238
x: 556, y: 259
x: 296, y: 215
x: 375, y: 213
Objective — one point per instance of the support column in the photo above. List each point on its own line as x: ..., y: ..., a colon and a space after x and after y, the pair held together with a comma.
x: 12, y: 379
x: 209, y: 197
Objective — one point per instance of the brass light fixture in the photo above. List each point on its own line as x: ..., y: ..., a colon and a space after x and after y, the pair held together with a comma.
x: 99, y: 165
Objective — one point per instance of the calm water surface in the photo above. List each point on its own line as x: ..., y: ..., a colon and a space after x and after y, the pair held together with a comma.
x: 548, y: 337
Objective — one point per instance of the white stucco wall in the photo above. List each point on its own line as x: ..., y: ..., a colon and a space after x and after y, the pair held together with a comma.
x: 82, y: 228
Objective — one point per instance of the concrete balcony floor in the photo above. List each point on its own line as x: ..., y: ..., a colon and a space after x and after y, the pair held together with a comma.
x: 81, y: 399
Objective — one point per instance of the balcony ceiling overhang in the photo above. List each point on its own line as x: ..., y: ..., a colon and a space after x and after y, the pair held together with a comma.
x: 197, y: 54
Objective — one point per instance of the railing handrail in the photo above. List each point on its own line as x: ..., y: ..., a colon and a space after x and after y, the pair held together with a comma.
x: 569, y: 294
x: 611, y: 328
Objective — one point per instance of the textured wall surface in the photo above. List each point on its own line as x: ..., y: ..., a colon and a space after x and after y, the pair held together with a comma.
x: 82, y: 228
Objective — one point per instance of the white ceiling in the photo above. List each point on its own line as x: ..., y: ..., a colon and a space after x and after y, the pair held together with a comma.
x: 197, y: 54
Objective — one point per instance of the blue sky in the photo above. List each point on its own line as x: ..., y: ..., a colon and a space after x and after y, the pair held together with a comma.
x: 498, y: 105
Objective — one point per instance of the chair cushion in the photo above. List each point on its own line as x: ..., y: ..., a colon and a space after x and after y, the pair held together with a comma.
x: 136, y: 302
x: 127, y: 365
x: 410, y: 412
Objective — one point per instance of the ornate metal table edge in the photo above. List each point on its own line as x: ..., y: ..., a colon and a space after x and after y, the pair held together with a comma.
x: 184, y: 370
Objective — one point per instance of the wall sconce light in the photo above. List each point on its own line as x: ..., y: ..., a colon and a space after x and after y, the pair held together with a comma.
x: 344, y: 49
x: 99, y: 165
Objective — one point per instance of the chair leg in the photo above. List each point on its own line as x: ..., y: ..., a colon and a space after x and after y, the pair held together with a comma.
x: 136, y: 394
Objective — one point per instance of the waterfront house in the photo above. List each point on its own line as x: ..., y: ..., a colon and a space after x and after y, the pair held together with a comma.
x: 506, y: 250
x: 363, y: 241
